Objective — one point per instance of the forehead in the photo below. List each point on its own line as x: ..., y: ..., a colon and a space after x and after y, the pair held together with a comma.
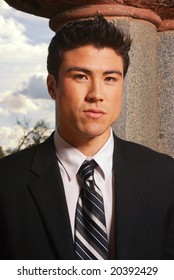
x: 92, y: 57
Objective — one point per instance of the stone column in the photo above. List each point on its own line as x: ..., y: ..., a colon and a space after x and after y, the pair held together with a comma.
x: 166, y: 91
x: 139, y: 119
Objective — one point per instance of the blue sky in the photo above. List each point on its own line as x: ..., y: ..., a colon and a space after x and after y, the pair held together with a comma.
x: 24, y: 42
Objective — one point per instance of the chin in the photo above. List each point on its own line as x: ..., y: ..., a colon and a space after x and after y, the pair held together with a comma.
x: 93, y: 133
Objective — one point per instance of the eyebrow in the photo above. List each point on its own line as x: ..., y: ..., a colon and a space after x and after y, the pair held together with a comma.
x: 113, y: 72
x: 80, y: 69
x: 87, y: 71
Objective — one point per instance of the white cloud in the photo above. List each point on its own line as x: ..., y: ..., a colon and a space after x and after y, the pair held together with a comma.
x: 4, y: 6
x: 24, y: 98
x: 2, y: 111
x: 15, y: 47
x: 17, y: 106
x: 19, y: 57
x: 17, y: 103
x: 9, y: 136
x: 29, y: 97
x: 35, y: 87
x: 23, y: 51
x: 10, y: 32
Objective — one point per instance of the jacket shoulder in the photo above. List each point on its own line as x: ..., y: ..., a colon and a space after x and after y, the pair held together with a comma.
x: 14, y: 159
x: 23, y: 158
x: 142, y: 154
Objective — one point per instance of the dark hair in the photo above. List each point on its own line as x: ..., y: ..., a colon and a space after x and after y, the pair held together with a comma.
x: 96, y: 31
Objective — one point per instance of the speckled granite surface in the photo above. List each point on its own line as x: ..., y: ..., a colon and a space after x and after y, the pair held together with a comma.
x: 139, y: 118
x: 148, y: 103
x: 166, y: 91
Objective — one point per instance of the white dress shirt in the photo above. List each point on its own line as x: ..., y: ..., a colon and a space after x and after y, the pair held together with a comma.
x: 70, y: 160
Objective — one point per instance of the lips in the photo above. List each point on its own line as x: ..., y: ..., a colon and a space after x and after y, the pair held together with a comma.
x: 94, y: 113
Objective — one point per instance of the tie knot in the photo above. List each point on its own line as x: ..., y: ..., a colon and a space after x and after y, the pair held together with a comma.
x: 86, y: 170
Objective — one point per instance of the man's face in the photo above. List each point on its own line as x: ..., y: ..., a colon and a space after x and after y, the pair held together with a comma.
x: 88, y: 93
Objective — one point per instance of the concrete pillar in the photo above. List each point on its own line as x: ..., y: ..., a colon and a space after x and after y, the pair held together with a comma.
x: 139, y: 119
x: 165, y: 48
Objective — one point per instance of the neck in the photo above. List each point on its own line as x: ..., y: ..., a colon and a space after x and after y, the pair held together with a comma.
x: 88, y: 146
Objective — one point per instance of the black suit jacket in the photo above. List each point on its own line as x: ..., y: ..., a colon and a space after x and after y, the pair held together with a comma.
x: 34, y: 221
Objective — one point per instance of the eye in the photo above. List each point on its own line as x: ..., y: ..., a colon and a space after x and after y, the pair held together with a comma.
x: 80, y: 77
x: 111, y: 80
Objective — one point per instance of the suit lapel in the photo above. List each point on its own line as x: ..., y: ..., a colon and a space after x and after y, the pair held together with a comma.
x: 128, y: 192
x: 48, y: 193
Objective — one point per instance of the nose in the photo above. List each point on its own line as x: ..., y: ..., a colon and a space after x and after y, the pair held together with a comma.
x: 95, y: 91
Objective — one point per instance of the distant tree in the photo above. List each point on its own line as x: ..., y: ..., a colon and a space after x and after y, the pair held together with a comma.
x: 2, y: 153
x: 31, y: 136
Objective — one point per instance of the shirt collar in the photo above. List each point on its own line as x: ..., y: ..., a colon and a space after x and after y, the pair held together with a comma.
x: 71, y: 159
x: 104, y: 157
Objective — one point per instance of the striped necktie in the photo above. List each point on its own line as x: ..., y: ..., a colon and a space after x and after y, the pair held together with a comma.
x: 90, y: 227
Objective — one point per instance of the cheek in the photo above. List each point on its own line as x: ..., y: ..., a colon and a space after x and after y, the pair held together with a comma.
x: 116, y: 100
x: 68, y: 104
x: 70, y: 96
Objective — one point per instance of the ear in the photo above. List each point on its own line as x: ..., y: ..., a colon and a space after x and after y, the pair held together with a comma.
x: 52, y: 86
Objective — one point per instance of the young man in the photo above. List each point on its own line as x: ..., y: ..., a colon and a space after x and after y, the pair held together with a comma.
x: 84, y: 193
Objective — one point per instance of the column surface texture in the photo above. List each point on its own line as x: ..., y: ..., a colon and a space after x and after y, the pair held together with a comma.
x: 166, y: 91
